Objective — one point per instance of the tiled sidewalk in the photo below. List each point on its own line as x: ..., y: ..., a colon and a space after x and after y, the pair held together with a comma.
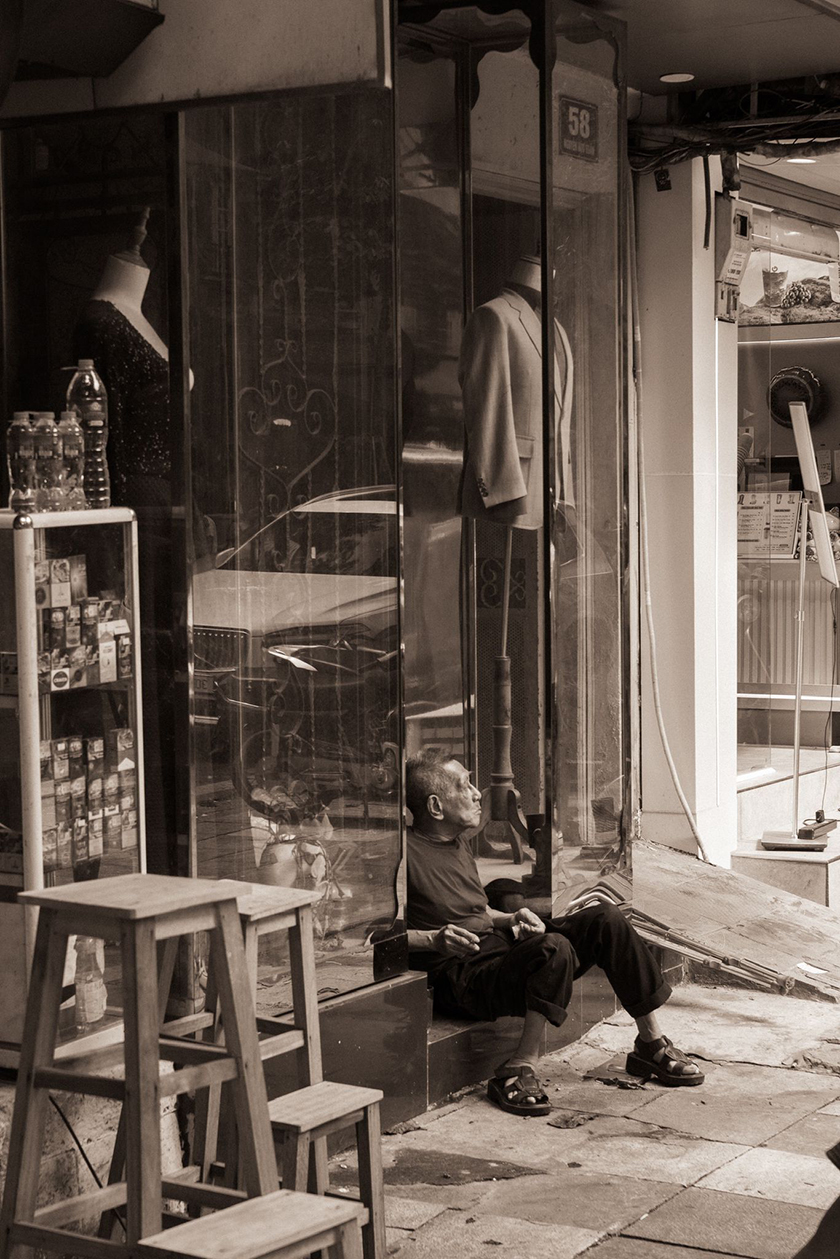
x: 736, y: 1167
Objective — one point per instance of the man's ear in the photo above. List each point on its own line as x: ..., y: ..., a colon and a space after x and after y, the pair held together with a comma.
x: 434, y: 808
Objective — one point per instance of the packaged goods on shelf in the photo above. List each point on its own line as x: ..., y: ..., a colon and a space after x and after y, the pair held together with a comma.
x: 78, y: 578
x: 42, y: 583
x: 11, y: 851
x: 49, y: 842
x: 119, y: 749
x: 60, y: 759
x: 60, y: 583
x: 112, y: 840
x: 8, y: 673
x: 96, y: 834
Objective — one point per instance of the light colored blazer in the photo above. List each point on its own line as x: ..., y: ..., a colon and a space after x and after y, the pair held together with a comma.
x: 500, y: 372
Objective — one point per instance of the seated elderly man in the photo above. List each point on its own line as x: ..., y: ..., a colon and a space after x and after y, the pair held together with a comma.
x: 483, y: 963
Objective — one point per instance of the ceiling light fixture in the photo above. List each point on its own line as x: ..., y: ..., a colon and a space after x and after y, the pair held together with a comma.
x: 801, y: 161
x: 676, y: 78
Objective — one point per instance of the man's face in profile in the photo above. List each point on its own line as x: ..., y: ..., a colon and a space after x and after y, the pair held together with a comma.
x: 460, y: 802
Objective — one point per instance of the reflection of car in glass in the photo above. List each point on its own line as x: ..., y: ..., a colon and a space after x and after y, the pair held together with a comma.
x: 296, y: 654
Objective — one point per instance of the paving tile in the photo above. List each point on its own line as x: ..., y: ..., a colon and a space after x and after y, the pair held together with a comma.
x: 833, y: 1108
x: 635, y: 1248
x: 813, y: 1135
x: 409, y: 1212
x: 739, y: 1102
x: 625, y: 1147
x: 731, y: 1025
x: 602, y: 1202
x: 779, y: 1177
x: 731, y: 1224
x: 593, y: 1097
x: 423, y: 1166
x: 454, y: 1197
x: 482, y: 1236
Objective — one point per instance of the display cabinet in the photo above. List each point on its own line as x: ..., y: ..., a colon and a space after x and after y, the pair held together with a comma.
x: 71, y: 742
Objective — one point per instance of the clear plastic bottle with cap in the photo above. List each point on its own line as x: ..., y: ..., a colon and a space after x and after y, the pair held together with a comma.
x: 86, y: 395
x: 20, y: 459
x: 49, y: 468
x: 73, y: 454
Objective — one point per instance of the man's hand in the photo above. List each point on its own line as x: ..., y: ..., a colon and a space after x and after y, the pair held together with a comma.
x: 526, y: 923
x: 452, y: 941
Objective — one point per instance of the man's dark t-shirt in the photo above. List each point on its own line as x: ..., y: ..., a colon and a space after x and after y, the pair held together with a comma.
x: 443, y: 887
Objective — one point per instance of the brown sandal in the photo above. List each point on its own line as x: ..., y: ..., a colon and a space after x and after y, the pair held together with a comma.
x: 660, y: 1059
x: 518, y: 1091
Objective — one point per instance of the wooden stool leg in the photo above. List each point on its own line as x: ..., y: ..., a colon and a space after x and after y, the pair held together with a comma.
x: 108, y: 1219
x: 227, y: 957
x: 371, y: 1181
x: 142, y: 1070
x: 294, y: 1160
x: 350, y: 1245
x: 319, y: 1171
x: 208, y: 1100
x: 305, y: 995
x: 23, y: 1162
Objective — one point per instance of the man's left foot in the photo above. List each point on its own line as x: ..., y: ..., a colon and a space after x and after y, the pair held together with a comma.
x: 661, y: 1060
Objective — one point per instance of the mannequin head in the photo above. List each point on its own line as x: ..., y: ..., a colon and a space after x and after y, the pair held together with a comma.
x: 526, y: 273
x: 126, y: 274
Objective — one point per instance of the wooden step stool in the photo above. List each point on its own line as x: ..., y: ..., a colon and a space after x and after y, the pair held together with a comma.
x: 139, y: 910
x: 309, y: 1115
x: 302, y: 1120
x: 282, y: 1225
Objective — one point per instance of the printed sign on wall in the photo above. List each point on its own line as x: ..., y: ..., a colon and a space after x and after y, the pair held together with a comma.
x: 578, y: 128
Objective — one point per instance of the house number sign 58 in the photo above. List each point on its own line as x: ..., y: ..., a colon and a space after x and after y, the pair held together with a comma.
x: 578, y: 128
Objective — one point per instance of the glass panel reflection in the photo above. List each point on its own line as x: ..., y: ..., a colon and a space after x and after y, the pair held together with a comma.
x: 295, y: 585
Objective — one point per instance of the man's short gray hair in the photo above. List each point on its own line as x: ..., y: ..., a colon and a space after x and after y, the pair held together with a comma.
x: 426, y: 775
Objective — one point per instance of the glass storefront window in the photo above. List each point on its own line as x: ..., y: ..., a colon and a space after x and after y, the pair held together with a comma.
x: 788, y: 337
x: 295, y: 578
x: 469, y: 232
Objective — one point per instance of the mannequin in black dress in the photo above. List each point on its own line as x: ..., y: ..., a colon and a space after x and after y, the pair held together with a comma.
x: 132, y: 360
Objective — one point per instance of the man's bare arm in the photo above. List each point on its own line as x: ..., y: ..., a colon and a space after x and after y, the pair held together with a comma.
x: 449, y: 941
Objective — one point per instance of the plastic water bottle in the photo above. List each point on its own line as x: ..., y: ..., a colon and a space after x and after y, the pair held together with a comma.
x: 20, y: 458
x: 49, y: 468
x: 87, y: 397
x: 73, y: 454
x: 91, y: 993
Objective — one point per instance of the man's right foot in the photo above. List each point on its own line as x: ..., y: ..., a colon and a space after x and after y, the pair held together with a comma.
x: 516, y: 1090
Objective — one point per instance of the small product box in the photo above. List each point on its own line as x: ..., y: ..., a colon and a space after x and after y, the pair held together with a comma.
x: 44, y: 671
x: 96, y: 835
x: 107, y: 660
x: 80, y: 840
x: 45, y: 757
x: 119, y: 749
x: 94, y: 753
x: 49, y: 844
x: 48, y: 817
x: 112, y: 833
x: 63, y: 803
x: 42, y: 583
x: 124, y: 665
x: 128, y: 829
x: 60, y: 679
x: 60, y: 759
x: 64, y: 845
x: 76, y: 755
x: 11, y: 851
x: 77, y: 667
x: 78, y: 796
x: 8, y: 673
x: 78, y: 578
x: 45, y: 629
x: 73, y: 626
x: 58, y: 630
x: 92, y: 665
x: 111, y: 795
x: 128, y: 790
x: 60, y: 584
x: 89, y: 609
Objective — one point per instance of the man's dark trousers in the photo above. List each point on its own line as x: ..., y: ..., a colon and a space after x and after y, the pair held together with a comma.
x: 508, y: 977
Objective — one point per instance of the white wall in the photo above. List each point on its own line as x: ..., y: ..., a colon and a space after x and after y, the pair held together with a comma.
x: 689, y: 423
x: 207, y: 48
